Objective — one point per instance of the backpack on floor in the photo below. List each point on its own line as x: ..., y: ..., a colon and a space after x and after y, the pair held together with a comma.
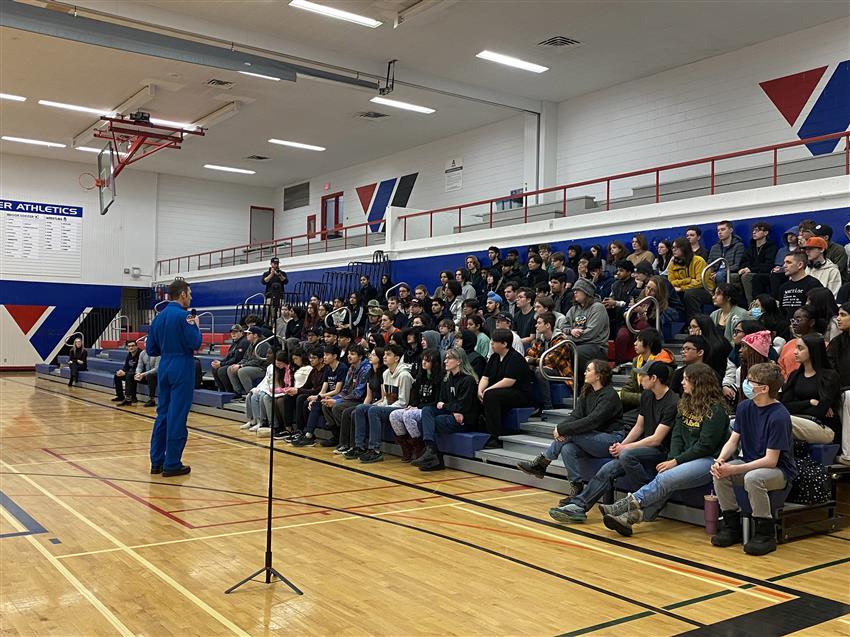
x: 811, y: 486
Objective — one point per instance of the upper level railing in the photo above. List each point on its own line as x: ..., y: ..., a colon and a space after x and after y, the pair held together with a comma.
x: 339, y: 238
x: 420, y: 225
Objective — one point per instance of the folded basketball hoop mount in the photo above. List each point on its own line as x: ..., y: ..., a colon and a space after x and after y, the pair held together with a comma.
x: 130, y: 141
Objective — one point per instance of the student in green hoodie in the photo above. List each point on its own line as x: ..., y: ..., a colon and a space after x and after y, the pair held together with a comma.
x: 699, y: 433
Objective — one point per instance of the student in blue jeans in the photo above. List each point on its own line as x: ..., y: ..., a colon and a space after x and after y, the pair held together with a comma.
x: 593, y: 426
x: 642, y: 449
x: 699, y: 433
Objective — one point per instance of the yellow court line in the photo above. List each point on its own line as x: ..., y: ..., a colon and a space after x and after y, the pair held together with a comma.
x: 144, y: 562
x: 138, y: 455
x: 281, y: 527
x: 625, y: 556
x: 81, y: 588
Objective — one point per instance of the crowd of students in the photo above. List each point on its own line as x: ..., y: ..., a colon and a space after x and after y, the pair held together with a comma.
x: 458, y: 358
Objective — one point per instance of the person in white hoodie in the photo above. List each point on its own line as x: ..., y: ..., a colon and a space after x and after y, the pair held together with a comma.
x: 395, y: 394
x: 258, y: 403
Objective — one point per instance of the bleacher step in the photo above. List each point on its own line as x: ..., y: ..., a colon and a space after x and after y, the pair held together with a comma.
x: 525, y: 443
x: 536, y: 426
x: 509, y: 458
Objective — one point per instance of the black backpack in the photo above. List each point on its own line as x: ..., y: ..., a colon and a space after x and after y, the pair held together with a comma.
x: 811, y: 486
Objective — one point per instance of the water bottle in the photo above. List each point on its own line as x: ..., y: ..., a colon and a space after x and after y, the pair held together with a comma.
x: 711, y: 510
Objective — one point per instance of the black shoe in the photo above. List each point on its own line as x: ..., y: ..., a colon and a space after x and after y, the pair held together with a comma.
x: 354, y: 453
x: 730, y: 531
x: 763, y: 540
x: 156, y: 468
x: 565, y: 501
x: 431, y: 462
x: 537, y: 412
x: 118, y: 400
x: 428, y: 456
x: 70, y: 383
x: 182, y: 470
x: 536, y: 467
x: 330, y: 442
x: 493, y: 443
x: 372, y: 455
x: 304, y: 441
x: 126, y: 403
x: 150, y: 403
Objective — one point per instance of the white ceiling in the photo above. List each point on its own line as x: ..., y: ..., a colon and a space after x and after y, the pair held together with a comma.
x: 621, y: 41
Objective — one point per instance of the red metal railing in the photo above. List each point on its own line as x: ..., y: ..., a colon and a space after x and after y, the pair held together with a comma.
x: 313, y: 243
x: 711, y: 161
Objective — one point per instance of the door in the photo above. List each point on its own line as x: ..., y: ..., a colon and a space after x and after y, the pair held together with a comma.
x: 331, y: 215
x: 261, y: 227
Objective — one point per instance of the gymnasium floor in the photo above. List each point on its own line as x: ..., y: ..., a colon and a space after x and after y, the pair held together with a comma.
x: 93, y: 545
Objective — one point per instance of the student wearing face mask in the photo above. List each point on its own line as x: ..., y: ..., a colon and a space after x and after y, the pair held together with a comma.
x: 765, y: 309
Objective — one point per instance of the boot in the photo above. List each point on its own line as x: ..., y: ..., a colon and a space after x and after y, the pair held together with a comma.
x: 622, y: 523
x: 620, y: 506
x: 536, y: 467
x: 403, y: 441
x: 431, y: 461
x: 730, y: 530
x: 763, y: 539
x: 417, y: 447
x: 429, y: 455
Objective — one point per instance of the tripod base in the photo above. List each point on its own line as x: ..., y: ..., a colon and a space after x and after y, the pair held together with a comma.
x: 270, y: 574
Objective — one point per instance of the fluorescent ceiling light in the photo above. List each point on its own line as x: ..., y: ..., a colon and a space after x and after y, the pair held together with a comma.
x: 260, y: 75
x: 507, y: 60
x: 14, y: 98
x: 403, y: 105
x: 91, y: 149
x: 80, y: 109
x: 335, y: 13
x: 228, y: 169
x: 34, y: 142
x: 296, y: 144
x: 167, y: 122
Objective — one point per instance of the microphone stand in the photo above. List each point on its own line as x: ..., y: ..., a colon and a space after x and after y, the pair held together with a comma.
x: 268, y: 570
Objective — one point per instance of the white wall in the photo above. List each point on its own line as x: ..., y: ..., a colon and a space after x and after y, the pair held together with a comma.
x: 196, y: 215
x: 709, y: 107
x: 492, y: 165
x: 123, y: 238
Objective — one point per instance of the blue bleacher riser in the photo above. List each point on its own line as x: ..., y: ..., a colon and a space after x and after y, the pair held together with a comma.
x: 824, y: 454
x: 515, y: 417
x: 463, y: 444
x: 44, y: 368
x: 561, y: 394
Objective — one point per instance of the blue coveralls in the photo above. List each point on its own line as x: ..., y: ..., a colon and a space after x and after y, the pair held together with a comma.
x: 176, y: 341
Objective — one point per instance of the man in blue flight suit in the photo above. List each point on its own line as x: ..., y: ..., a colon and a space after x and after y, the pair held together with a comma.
x: 174, y: 336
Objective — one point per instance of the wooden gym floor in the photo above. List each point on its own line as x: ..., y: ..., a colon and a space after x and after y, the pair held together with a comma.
x: 92, y: 545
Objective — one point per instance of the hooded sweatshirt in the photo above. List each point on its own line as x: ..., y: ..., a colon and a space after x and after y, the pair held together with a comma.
x: 397, y: 386
x: 733, y: 253
x: 784, y: 250
x: 432, y: 338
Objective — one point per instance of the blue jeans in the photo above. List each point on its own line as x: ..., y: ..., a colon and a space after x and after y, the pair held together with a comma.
x: 593, y: 444
x: 360, y: 423
x: 315, y: 417
x: 653, y: 496
x: 378, y: 415
x: 438, y: 421
x: 635, y: 463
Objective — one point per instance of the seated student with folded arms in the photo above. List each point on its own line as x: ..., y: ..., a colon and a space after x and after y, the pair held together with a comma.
x: 456, y: 410
x: 699, y: 433
x: 763, y: 430
x: 642, y: 449
x: 332, y: 379
x: 593, y: 426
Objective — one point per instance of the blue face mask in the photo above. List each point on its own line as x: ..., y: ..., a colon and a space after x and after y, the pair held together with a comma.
x: 756, y: 312
x: 747, y: 388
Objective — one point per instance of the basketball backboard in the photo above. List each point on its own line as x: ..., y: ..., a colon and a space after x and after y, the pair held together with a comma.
x: 106, y: 162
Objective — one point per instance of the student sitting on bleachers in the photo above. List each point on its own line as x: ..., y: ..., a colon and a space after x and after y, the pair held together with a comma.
x: 131, y: 361
x: 648, y: 348
x: 395, y: 394
x: 718, y: 347
x: 424, y: 392
x: 77, y: 361
x: 755, y: 349
x: 144, y: 373
x: 762, y: 427
x: 468, y: 342
x: 644, y: 446
x: 238, y: 347
x: 285, y: 403
x: 728, y: 313
x: 333, y: 375
x: 644, y: 316
x: 822, y: 301
x: 446, y: 328
x: 589, y: 431
x: 245, y: 373
x: 812, y: 392
x: 699, y: 433
x: 693, y: 351
x: 622, y: 294
x: 685, y: 275
x: 802, y: 324
x: 259, y: 402
x: 475, y: 324
x: 352, y: 394
x: 765, y: 309
x: 819, y: 267
x: 839, y: 356
x: 373, y: 393
x: 505, y: 384
x: 558, y: 363
x: 457, y: 409
x: 757, y: 262
x: 586, y: 325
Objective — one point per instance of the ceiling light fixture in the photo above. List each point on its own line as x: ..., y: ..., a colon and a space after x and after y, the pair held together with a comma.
x: 402, y: 105
x: 13, y: 98
x: 228, y: 169
x: 282, y: 142
x: 80, y: 109
x: 507, y: 60
x: 34, y: 142
x: 91, y: 149
x: 260, y: 75
x: 335, y: 13
x: 167, y: 122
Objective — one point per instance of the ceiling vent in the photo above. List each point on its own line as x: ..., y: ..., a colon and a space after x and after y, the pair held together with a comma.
x: 219, y: 83
x: 257, y: 157
x: 559, y: 41
x: 372, y: 115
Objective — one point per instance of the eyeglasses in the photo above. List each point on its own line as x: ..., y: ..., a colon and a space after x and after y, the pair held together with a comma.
x: 688, y: 348
x: 449, y: 357
x: 755, y: 382
x: 737, y: 331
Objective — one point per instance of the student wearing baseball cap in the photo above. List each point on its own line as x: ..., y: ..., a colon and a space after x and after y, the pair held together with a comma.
x: 819, y: 266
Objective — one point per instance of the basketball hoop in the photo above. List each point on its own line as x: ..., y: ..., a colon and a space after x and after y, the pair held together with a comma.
x: 88, y: 181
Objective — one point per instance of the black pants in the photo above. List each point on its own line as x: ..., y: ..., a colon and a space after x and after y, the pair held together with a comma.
x: 346, y: 427
x: 222, y: 382
x: 694, y: 301
x: 497, y: 402
x: 285, y: 411
x: 76, y: 368
x: 301, y: 412
x: 149, y: 380
x: 119, y: 385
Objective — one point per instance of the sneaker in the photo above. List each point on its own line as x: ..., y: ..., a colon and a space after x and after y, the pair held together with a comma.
x: 280, y: 435
x: 569, y: 513
x: 354, y: 453
x: 329, y: 442
x: 238, y: 399
x: 372, y: 455
x: 565, y: 501
x: 247, y: 425
x: 264, y: 432
x: 341, y: 449
x: 150, y: 403
x: 845, y: 460
x: 620, y: 506
x: 622, y: 523
x: 493, y: 443
x: 427, y: 457
x: 253, y: 428
x: 126, y: 403
x: 291, y: 436
x: 117, y: 400
x: 304, y: 441
x: 536, y: 467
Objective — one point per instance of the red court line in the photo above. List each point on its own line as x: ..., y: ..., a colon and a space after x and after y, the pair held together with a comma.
x: 108, y: 444
x: 121, y: 489
x: 86, y: 495
x: 75, y: 433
